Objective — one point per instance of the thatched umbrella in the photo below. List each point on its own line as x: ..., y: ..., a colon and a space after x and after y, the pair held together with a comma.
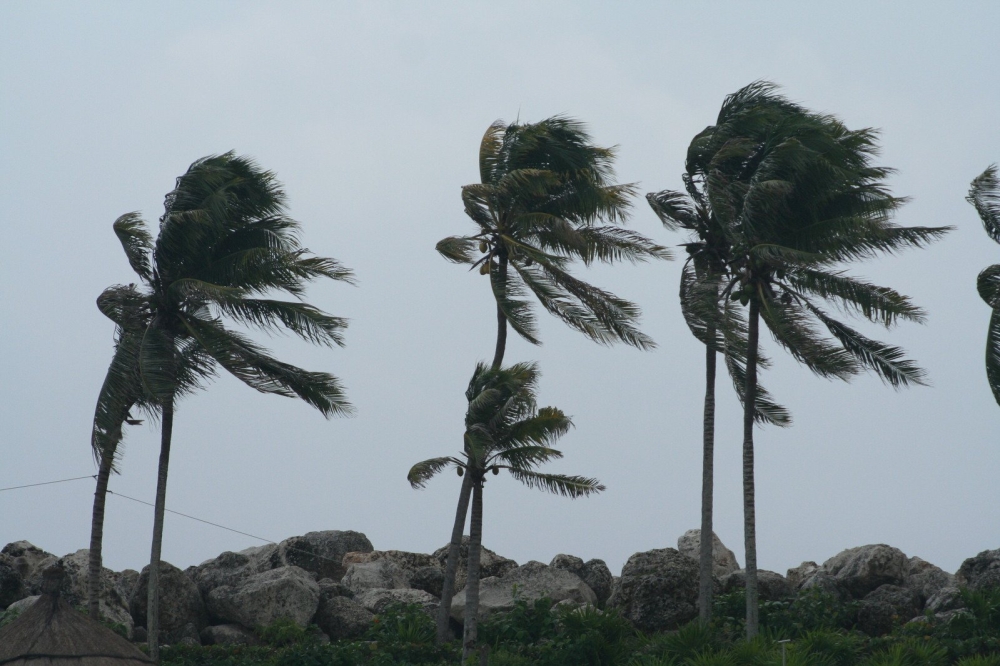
x: 53, y: 633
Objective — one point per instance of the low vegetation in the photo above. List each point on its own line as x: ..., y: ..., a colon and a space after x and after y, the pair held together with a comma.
x: 813, y: 630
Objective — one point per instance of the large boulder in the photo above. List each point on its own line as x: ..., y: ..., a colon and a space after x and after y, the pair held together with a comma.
x: 527, y: 582
x: 115, y: 589
x: 321, y: 553
x: 925, y: 579
x: 180, y: 603
x: 490, y: 564
x: 27, y: 558
x: 229, y: 568
x: 863, y: 569
x: 980, y: 572
x: 377, y: 600
x: 380, y: 574
x: 11, y: 582
x: 342, y: 618
x: 800, y: 574
x: 723, y: 560
x: 823, y: 582
x: 658, y: 590
x: 771, y: 586
x: 594, y: 573
x: 885, y: 608
x: 287, y: 592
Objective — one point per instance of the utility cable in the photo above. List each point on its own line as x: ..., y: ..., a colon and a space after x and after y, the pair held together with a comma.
x: 48, y: 483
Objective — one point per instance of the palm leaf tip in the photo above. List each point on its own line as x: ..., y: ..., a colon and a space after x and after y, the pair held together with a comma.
x: 422, y: 472
x: 984, y: 195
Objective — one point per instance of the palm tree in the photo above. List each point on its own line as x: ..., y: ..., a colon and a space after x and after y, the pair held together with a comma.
x: 984, y: 194
x: 224, y: 244
x: 799, y: 196
x: 504, y: 430
x: 717, y: 325
x: 546, y: 197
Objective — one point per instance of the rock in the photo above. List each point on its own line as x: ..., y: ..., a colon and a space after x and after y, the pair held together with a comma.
x: 286, y: 592
x: 798, y: 575
x: 116, y: 589
x: 594, y: 573
x: 381, y: 574
x: 331, y: 588
x: 490, y: 564
x: 825, y: 583
x: 946, y: 599
x: 377, y: 601
x: 11, y: 582
x: 229, y: 568
x: 905, y: 602
x: 981, y: 572
x: 658, y: 590
x: 189, y: 641
x: 321, y: 553
x: 771, y: 586
x: 27, y: 558
x: 228, y: 634
x: 180, y: 602
x: 862, y: 570
x: 428, y: 579
x: 23, y: 604
x: 925, y: 579
x: 723, y: 560
x: 139, y: 635
x: 532, y: 581
x: 887, y: 607
x: 187, y: 635
x: 342, y: 618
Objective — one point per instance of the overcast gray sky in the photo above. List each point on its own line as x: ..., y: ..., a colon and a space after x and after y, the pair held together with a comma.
x: 371, y: 115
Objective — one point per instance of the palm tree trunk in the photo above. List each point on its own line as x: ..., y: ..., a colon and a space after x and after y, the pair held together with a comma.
x: 501, y: 317
x: 153, y: 598
x: 749, y: 509
x: 97, y: 537
x: 705, y: 569
x: 451, y: 568
x: 472, y: 582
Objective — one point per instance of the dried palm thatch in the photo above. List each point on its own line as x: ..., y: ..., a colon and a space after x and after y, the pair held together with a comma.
x: 53, y: 633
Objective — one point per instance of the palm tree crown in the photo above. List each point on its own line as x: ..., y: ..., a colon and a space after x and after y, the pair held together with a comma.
x: 984, y: 194
x: 547, y: 197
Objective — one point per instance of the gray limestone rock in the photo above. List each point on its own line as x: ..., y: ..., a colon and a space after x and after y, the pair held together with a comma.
x: 527, y: 582
x: 490, y: 564
x: 594, y: 573
x: 228, y: 634
x: 658, y: 590
x: 771, y: 586
x: 863, y: 569
x: 342, y: 618
x: 981, y: 572
x: 286, y: 592
x: 180, y: 603
x: 723, y: 560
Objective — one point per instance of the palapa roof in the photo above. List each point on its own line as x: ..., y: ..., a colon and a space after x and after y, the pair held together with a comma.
x: 53, y: 633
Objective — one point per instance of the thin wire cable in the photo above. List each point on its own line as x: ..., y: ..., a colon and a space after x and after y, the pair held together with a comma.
x: 49, y: 483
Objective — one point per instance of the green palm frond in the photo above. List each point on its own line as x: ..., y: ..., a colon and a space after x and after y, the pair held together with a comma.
x: 422, y: 472
x: 158, y: 362
x: 557, y: 484
x: 526, y: 457
x: 675, y: 210
x: 610, y: 244
x: 121, y: 390
x: 137, y: 243
x: 700, y: 305
x: 993, y: 354
x: 766, y: 410
x: 457, y: 249
x: 984, y: 194
x: 887, y: 361
x: 878, y: 304
x: 126, y: 306
x: 249, y: 363
x: 509, y: 293
x: 988, y: 285
x: 792, y: 328
x: 302, y: 319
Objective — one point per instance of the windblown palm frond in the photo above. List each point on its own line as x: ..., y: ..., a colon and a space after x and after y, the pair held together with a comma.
x: 984, y: 195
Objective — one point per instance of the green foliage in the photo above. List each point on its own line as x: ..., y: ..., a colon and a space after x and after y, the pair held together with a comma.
x: 281, y: 632
x: 8, y: 616
x: 405, y: 633
x: 813, y: 609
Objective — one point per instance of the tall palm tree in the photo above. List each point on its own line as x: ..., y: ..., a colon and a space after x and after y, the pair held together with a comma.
x: 984, y: 194
x: 504, y: 430
x: 716, y: 324
x: 547, y: 197
x: 224, y: 244
x: 799, y: 197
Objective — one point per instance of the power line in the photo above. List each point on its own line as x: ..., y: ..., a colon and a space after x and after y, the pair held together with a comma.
x: 48, y: 483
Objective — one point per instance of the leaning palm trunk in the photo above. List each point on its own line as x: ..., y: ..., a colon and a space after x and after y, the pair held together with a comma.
x: 705, y: 568
x: 97, y: 537
x: 501, y: 317
x: 451, y: 568
x: 749, y: 509
x: 153, y: 598
x: 472, y: 582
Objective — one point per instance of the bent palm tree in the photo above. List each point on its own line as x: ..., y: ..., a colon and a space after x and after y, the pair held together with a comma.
x: 504, y: 430
x: 546, y: 197
x: 224, y: 244
x: 798, y: 196
x: 716, y: 324
x: 984, y: 194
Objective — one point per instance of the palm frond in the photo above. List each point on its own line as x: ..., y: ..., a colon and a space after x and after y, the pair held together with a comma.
x: 766, y: 410
x: 988, y: 285
x: 137, y: 243
x: 489, y: 151
x: 121, y: 390
x: 544, y: 428
x: 509, y: 293
x: 302, y: 319
x: 611, y: 244
x: 526, y: 457
x: 877, y: 304
x: 422, y: 472
x: 674, y: 209
x: 126, y: 306
x: 993, y: 354
x: 791, y: 327
x: 700, y: 305
x: 457, y: 249
x: 984, y: 194
x: 557, y: 484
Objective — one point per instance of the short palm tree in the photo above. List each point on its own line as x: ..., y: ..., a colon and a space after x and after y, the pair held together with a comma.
x: 504, y: 430
x: 799, y: 196
x: 547, y: 197
x: 984, y: 194
x: 224, y: 244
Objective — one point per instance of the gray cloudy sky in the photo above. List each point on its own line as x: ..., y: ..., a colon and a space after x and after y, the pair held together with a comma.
x: 371, y: 115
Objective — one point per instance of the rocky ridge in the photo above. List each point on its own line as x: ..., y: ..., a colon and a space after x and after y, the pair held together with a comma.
x: 339, y: 582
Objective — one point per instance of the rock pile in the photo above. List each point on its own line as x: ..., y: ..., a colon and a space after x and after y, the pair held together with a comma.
x: 339, y: 582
